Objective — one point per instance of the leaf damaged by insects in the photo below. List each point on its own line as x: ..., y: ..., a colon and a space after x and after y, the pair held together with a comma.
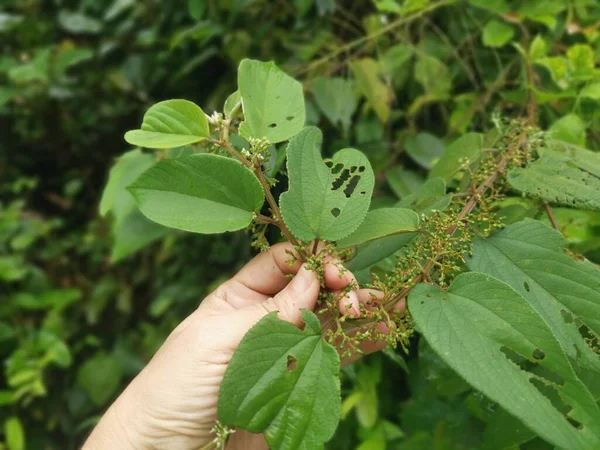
x: 289, y: 391
x: 486, y: 331
x: 326, y: 200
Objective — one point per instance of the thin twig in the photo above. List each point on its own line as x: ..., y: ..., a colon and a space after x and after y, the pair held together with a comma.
x: 277, y: 217
x: 392, y: 26
x: 551, y: 216
x: 227, y: 146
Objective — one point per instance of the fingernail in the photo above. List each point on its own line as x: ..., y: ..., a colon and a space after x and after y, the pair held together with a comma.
x: 302, y: 281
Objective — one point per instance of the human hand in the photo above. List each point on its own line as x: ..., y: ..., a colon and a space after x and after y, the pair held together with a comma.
x: 172, y: 403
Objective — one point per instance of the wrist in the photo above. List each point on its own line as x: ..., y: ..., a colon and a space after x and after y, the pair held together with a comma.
x: 120, y: 427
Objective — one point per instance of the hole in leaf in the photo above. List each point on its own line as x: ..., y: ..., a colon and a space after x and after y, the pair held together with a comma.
x: 526, y: 286
x: 339, y: 181
x: 289, y: 118
x: 335, y: 212
x: 567, y: 317
x: 361, y: 169
x: 538, y: 354
x: 338, y: 167
x: 329, y: 163
x: 575, y: 423
x: 292, y: 363
x: 273, y: 125
x: 353, y: 169
x: 352, y: 185
x: 363, y: 192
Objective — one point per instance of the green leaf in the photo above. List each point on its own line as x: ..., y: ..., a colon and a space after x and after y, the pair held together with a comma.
x: 202, y: 193
x: 434, y: 76
x: 403, y: 182
x: 13, y: 268
x: 14, y: 434
x: 272, y: 101
x: 78, y: 23
x: 581, y: 62
x: 428, y: 197
x: 131, y: 230
x: 467, y: 147
x: 380, y: 223
x: 372, y: 252
x: 134, y: 233
x: 377, y: 93
x: 555, y: 179
x: 578, y: 156
x: 100, y: 377
x: 497, y: 6
x: 538, y: 48
x: 425, y: 149
x: 196, y: 8
x: 168, y: 124
x: 232, y: 104
x: 530, y: 257
x: 497, y: 34
x: 477, y: 326
x: 591, y: 91
x: 558, y: 68
x: 35, y: 70
x: 325, y: 201
x: 283, y: 382
x: 569, y: 128
x: 336, y: 98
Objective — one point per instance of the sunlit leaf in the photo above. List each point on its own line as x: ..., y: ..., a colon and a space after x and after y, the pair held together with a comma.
x: 168, y: 124
x: 272, y: 101
x: 202, y: 193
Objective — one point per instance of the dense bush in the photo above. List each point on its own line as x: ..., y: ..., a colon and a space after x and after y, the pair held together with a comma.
x: 85, y: 300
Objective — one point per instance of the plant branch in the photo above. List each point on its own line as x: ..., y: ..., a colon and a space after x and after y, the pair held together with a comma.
x: 551, y: 216
x: 478, y: 192
x: 224, y: 144
x: 277, y: 218
x: 392, y: 26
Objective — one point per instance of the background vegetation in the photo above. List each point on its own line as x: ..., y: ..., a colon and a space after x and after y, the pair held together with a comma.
x: 85, y: 301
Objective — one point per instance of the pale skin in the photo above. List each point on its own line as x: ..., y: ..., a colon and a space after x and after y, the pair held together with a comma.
x: 172, y: 403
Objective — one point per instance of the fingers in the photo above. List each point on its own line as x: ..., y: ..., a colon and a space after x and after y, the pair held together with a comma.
x: 336, y: 276
x: 301, y: 293
x: 268, y: 272
x: 367, y: 347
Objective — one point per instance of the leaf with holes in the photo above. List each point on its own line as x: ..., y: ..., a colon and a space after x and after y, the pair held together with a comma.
x: 168, y: 124
x: 380, y: 223
x: 202, y: 193
x: 491, y: 336
x: 272, y: 101
x: 556, y: 179
x: 287, y: 388
x: 530, y: 257
x: 325, y: 201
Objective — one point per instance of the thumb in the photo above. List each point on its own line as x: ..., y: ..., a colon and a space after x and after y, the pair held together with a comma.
x: 301, y: 292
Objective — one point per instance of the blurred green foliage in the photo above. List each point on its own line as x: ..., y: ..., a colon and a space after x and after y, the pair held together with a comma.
x: 398, y: 79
